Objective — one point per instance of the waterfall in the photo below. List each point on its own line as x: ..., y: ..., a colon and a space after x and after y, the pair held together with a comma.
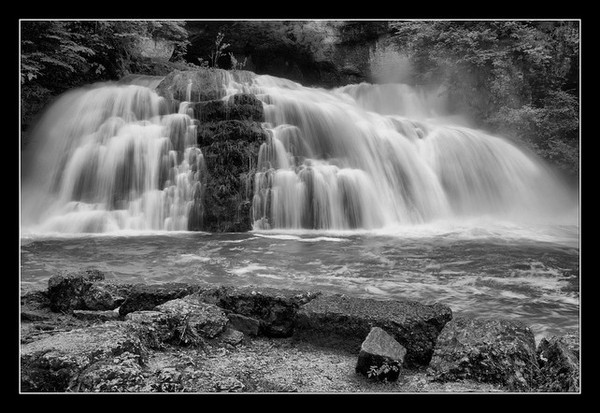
x: 112, y: 157
x: 371, y: 156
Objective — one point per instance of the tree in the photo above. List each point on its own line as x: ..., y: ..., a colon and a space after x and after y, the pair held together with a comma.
x: 59, y: 55
x: 515, y: 78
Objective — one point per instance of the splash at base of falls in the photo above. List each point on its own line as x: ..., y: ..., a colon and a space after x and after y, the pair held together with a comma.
x: 117, y: 157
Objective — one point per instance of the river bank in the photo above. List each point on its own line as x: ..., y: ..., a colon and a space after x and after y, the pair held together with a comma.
x: 84, y: 334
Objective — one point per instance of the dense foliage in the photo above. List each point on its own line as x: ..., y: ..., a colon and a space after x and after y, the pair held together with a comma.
x: 57, y: 55
x: 516, y: 78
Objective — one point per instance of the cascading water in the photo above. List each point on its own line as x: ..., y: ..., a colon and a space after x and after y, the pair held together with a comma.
x: 112, y: 158
x: 373, y: 156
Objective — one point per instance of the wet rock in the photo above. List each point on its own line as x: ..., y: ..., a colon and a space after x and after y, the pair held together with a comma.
x: 489, y: 351
x: 93, y: 315
x: 66, y: 290
x: 381, y: 357
x: 245, y: 106
x: 194, y: 85
x: 146, y: 297
x: 53, y: 363
x: 230, y: 130
x: 230, y: 151
x: 210, y: 111
x: 241, y: 106
x: 558, y: 358
x: 340, y: 321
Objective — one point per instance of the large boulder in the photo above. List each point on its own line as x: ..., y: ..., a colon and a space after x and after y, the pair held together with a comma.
x: 342, y: 321
x: 54, y: 363
x: 191, y: 319
x: 558, y: 358
x: 494, y: 351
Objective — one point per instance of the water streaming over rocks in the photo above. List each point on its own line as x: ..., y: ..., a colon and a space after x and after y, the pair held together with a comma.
x: 124, y: 156
x: 372, y: 156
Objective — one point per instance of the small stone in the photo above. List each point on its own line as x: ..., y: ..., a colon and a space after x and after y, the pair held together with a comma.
x: 381, y: 357
x: 232, y: 336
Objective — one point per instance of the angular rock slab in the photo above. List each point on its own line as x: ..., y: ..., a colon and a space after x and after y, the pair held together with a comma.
x: 341, y: 321
x: 258, y: 311
x: 145, y: 297
x: 488, y: 351
x: 381, y: 357
x: 558, y: 358
x: 54, y: 363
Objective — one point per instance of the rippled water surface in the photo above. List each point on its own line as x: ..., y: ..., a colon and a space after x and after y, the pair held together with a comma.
x: 509, y: 272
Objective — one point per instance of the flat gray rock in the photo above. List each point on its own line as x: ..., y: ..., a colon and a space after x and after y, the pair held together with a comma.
x: 342, y: 321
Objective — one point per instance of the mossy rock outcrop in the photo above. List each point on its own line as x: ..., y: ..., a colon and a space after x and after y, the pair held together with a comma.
x: 241, y: 106
x: 199, y: 85
x: 230, y: 151
x: 229, y: 134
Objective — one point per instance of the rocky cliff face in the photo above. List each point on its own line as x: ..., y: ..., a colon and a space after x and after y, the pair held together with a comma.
x: 314, y: 53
